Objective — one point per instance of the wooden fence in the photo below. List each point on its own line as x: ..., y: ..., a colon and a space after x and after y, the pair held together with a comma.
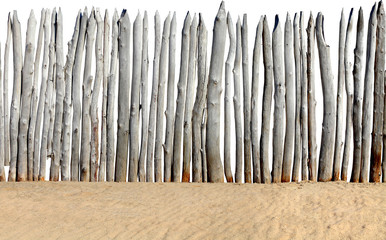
x: 60, y: 119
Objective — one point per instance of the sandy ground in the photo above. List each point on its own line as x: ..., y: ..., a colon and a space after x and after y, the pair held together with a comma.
x: 192, y: 211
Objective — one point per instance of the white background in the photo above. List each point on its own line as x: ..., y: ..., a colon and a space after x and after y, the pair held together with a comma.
x: 208, y: 8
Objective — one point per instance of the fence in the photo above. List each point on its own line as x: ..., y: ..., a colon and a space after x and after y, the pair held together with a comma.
x: 58, y: 121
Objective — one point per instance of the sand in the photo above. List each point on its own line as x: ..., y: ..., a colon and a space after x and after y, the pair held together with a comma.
x: 48, y: 210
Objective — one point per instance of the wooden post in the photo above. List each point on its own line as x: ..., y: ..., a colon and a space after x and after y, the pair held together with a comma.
x: 247, y: 101
x: 2, y: 173
x: 42, y: 96
x: 375, y: 169
x: 123, y: 97
x: 168, y: 146
x: 95, y: 98
x: 227, y: 100
x: 348, y: 67
x: 254, y: 103
x: 5, y: 91
x: 199, y: 104
x: 358, y: 97
x: 87, y: 83
x: 267, y: 102
x: 47, y: 100
x: 66, y: 131
x: 378, y: 125
x: 106, y: 58
x: 76, y: 87
x: 60, y: 91
x: 191, y: 82
x: 26, y: 98
x: 279, y: 109
x: 312, y: 145
x: 34, y: 102
x: 339, y: 100
x: 298, y: 89
x: 237, y: 105
x: 367, y: 117
x: 181, y: 89
x: 161, y: 100
x: 215, y: 168
x: 153, y: 100
x: 15, y: 104
x: 328, y: 130
x: 289, y: 100
x: 111, y: 88
x: 135, y: 90
x: 144, y: 99
x: 304, y: 103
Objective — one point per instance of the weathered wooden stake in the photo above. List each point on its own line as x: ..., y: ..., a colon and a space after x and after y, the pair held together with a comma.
x: 144, y: 100
x: 34, y: 101
x: 339, y: 100
x: 77, y: 104
x: 348, y: 67
x: 87, y: 83
x: 15, y: 104
x: 378, y: 124
x: 358, y: 98
x: 60, y: 91
x: 227, y: 100
x: 328, y: 130
x: 95, y: 97
x: 199, y: 104
x: 312, y: 145
x: 42, y: 96
x: 5, y: 91
x: 106, y: 58
x: 298, y: 89
x: 247, y: 101
x: 181, y: 89
x: 25, y: 105
x: 237, y: 106
x: 304, y: 103
x: 66, y: 131
x: 111, y: 88
x: 2, y: 173
x: 279, y: 109
x: 47, y: 100
x: 123, y: 97
x: 254, y: 103
x: 267, y: 102
x: 215, y: 168
x: 153, y: 100
x: 135, y: 91
x: 168, y: 146
x: 289, y: 100
x: 191, y: 83
x: 367, y: 117
x: 161, y: 100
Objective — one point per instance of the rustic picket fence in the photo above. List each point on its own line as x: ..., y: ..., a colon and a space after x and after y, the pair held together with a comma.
x: 59, y: 121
